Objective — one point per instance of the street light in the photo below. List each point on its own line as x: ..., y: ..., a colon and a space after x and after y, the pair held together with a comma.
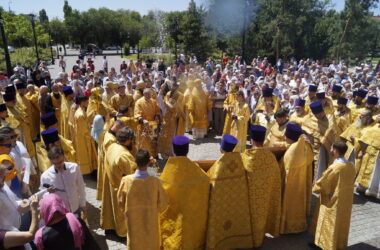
x: 5, y: 46
x: 31, y: 18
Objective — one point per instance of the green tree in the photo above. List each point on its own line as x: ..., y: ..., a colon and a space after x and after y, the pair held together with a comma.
x: 195, y: 38
x: 59, y: 32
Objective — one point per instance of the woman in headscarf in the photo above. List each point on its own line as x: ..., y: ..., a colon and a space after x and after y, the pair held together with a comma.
x: 63, y: 229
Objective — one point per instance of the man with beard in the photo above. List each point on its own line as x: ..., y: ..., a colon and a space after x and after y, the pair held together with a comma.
x: 342, y: 115
x: 352, y: 134
x: 357, y: 103
x: 371, y: 103
x: 369, y: 175
x: 53, y: 103
x: 336, y: 93
x: 276, y: 134
x: 300, y: 112
x: 122, y: 99
x: 321, y: 131
x: 311, y: 95
x: 118, y: 162
x: 326, y: 102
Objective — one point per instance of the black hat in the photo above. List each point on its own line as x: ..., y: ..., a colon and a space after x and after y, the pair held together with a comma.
x: 321, y: 95
x: 267, y: 92
x: 50, y: 136
x: 342, y: 100
x: 316, y: 107
x: 80, y: 99
x: 8, y: 97
x: 49, y: 119
x: 337, y: 88
x: 372, y: 100
x: 257, y: 133
x: 68, y: 90
x: 10, y: 89
x: 21, y: 85
x: 228, y: 143
x: 3, y: 107
x: 293, y: 131
x: 180, y: 145
x: 313, y: 88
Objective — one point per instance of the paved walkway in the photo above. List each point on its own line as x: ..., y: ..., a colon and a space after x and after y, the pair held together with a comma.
x: 365, y: 222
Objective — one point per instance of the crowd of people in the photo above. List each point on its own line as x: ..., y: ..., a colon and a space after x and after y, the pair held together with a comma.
x: 289, y: 131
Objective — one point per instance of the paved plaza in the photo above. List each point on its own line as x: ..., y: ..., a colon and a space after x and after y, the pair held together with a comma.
x: 365, y: 222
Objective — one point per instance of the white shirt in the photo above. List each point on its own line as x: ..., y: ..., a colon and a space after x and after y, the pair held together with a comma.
x: 340, y: 160
x: 22, y: 159
x: 10, y: 218
x: 71, y: 181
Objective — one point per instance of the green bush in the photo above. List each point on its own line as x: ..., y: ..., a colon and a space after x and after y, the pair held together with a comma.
x: 26, y: 56
x: 126, y: 48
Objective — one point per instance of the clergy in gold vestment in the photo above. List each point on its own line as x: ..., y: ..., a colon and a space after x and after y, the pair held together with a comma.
x: 320, y: 128
x: 300, y: 112
x: 96, y: 106
x: 142, y: 198
x: 56, y: 101
x: 49, y: 121
x: 369, y: 154
x: 109, y: 137
x: 298, y: 163
x: 25, y: 104
x: 147, y: 113
x: 268, y: 97
x: 276, y: 134
x: 311, y: 96
x: 228, y: 105
x: 108, y: 93
x: 167, y: 132
x: 335, y: 94
x: 374, y: 183
x: 67, y: 115
x: 327, y: 103
x: 118, y: 162
x: 183, y: 225
x: 352, y: 134
x: 229, y: 224
x: 122, y: 99
x: 186, y: 102
x: 52, y: 139
x: 358, y: 102
x: 335, y: 189
x: 240, y: 118
x: 180, y: 108
x: 19, y: 121
x: 199, y: 105
x: 32, y: 96
x: 342, y: 115
x: 84, y: 144
x: 264, y: 187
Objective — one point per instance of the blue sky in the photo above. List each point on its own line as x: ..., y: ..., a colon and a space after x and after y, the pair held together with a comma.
x: 54, y: 7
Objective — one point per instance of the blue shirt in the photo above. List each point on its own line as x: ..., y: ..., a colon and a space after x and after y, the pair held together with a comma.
x: 140, y: 174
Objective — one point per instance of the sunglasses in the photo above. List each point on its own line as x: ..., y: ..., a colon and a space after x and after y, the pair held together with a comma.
x: 6, y: 145
x: 13, y: 136
x: 9, y: 168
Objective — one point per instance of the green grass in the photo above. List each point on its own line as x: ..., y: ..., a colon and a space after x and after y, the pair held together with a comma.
x: 26, y: 56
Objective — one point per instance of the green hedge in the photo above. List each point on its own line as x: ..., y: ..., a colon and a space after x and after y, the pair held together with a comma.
x: 26, y: 56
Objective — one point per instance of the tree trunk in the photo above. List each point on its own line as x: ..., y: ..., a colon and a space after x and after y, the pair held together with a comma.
x: 343, y: 37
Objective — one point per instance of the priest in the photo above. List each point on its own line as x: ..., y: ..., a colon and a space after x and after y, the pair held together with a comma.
x: 298, y: 164
x: 229, y: 224
x: 183, y: 225
x: 264, y: 187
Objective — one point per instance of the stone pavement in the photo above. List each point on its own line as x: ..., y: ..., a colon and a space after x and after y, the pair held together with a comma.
x: 365, y: 222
